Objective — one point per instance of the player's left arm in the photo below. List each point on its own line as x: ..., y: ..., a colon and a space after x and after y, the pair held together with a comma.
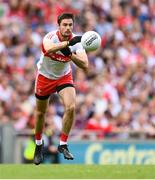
x: 80, y: 59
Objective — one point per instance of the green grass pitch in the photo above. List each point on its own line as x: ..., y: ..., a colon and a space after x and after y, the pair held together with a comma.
x: 53, y: 171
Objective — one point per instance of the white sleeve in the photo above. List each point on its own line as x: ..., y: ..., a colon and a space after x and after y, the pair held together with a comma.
x: 49, y: 39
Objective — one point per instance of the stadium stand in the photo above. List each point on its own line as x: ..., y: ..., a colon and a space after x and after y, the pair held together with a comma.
x: 122, y: 71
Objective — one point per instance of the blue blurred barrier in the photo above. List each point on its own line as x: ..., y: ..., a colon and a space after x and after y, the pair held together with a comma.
x: 109, y: 152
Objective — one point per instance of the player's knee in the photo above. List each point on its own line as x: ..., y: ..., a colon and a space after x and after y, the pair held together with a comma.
x: 70, y: 108
x: 40, y: 113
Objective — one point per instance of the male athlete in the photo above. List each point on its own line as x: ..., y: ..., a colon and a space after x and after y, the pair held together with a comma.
x: 59, y: 49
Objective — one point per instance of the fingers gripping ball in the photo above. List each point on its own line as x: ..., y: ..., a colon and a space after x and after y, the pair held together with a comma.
x: 91, y: 41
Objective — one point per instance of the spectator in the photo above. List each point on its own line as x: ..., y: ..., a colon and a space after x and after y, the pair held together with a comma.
x: 121, y: 74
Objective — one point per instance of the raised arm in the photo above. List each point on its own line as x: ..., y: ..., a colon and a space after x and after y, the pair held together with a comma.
x: 49, y: 46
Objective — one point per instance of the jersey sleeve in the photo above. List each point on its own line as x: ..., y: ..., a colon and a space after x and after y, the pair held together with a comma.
x: 48, y: 40
x: 50, y: 37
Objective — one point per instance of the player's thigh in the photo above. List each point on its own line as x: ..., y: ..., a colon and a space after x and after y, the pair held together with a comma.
x: 68, y: 96
x: 41, y: 105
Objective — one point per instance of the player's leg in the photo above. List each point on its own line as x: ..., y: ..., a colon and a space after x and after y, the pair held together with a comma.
x: 68, y: 96
x: 44, y: 87
x: 41, y: 107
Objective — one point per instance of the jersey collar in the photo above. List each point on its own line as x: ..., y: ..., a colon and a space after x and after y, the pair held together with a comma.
x: 59, y: 37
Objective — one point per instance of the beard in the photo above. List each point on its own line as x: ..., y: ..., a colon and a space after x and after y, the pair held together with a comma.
x: 66, y: 35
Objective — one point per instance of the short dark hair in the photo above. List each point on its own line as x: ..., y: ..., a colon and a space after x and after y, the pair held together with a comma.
x: 65, y: 16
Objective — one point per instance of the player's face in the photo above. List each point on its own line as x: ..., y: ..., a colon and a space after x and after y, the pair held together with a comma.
x: 66, y: 27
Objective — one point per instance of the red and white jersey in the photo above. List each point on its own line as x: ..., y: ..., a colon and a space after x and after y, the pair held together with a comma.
x: 55, y: 65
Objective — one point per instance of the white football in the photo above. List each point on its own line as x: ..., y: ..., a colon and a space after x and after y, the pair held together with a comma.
x: 91, y: 41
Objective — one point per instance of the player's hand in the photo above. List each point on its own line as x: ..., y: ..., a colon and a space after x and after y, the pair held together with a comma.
x: 66, y: 51
x: 74, y: 40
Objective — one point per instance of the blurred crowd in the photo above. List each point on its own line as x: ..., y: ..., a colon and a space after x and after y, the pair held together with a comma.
x: 116, y: 96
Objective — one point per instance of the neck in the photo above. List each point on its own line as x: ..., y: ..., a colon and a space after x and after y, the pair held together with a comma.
x: 63, y: 38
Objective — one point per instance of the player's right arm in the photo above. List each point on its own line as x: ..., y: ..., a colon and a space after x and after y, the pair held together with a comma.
x: 50, y: 46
